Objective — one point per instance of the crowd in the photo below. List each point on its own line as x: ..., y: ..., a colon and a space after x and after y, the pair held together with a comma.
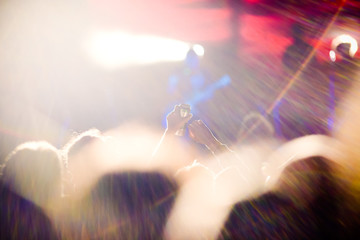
x: 100, y: 186
x: 289, y: 168
x: 278, y: 182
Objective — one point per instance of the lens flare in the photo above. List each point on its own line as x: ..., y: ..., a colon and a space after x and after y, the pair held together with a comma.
x: 113, y: 49
x: 345, y: 38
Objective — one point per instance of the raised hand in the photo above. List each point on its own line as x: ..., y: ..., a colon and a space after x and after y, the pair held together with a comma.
x: 175, y: 121
x: 200, y: 133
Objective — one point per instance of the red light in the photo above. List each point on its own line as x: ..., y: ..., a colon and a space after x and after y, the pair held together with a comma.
x: 252, y: 1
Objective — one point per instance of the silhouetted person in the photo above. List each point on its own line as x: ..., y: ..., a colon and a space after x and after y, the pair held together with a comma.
x: 189, y: 81
x: 296, y: 54
x: 30, y: 182
x: 34, y: 171
x: 306, y: 204
x: 130, y: 205
x: 21, y: 219
x: 303, y: 110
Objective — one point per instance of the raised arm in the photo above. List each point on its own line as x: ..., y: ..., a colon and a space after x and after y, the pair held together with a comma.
x: 169, y: 151
x: 200, y: 133
x: 227, y: 159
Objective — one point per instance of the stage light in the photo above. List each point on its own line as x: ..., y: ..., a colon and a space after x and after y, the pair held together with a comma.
x: 116, y: 49
x: 199, y: 50
x: 345, y: 38
x: 332, y: 55
x: 224, y: 81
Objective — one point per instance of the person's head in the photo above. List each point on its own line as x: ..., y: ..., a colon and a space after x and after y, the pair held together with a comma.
x: 309, y: 179
x: 79, y: 141
x: 80, y: 160
x: 192, y: 59
x: 298, y: 31
x: 130, y: 205
x: 34, y: 171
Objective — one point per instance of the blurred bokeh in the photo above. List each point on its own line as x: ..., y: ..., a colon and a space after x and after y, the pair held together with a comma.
x: 71, y: 65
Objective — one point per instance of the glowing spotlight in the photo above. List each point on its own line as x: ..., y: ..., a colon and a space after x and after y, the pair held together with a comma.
x: 332, y: 55
x: 116, y: 49
x: 344, y: 38
x: 199, y: 50
x: 224, y: 81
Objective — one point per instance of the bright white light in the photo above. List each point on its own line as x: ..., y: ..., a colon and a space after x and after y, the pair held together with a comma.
x: 115, y: 49
x: 344, y: 38
x: 199, y: 50
x: 332, y: 55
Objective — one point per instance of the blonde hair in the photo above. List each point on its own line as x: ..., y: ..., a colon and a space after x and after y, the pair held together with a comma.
x: 33, y: 170
x: 77, y: 137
